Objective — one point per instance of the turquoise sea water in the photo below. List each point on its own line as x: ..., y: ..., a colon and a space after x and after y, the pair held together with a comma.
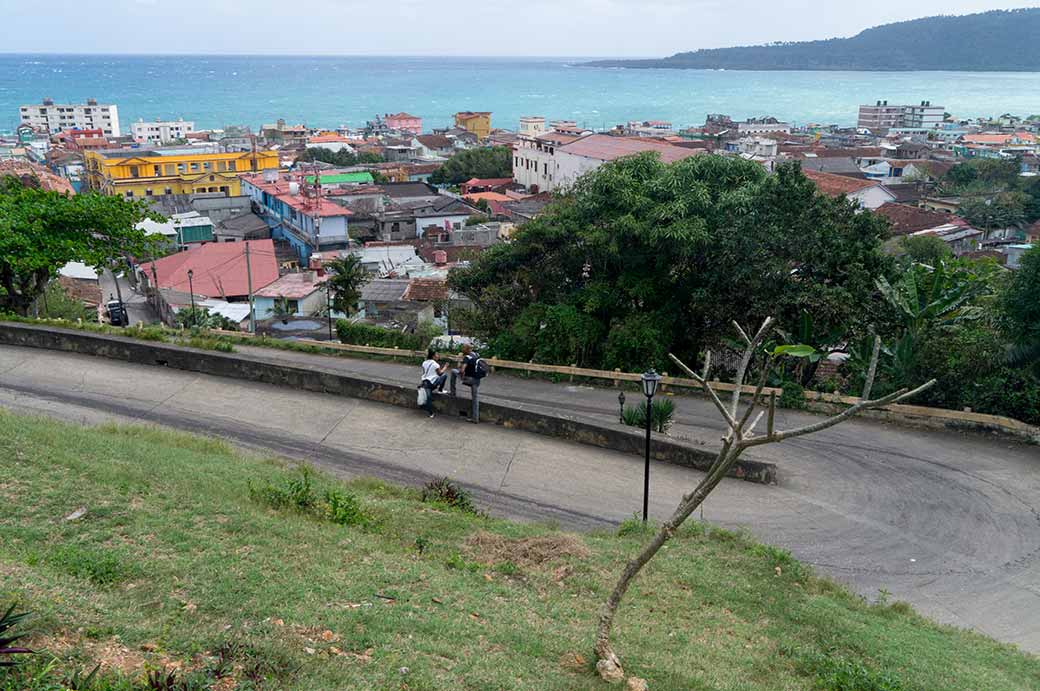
x: 330, y: 91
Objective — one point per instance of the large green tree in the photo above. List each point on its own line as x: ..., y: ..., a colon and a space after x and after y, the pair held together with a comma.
x: 484, y: 162
x: 1021, y: 309
x: 42, y: 231
x: 653, y: 257
x: 343, y: 157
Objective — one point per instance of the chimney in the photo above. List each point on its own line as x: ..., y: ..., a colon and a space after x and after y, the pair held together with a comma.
x: 440, y: 257
x: 314, y: 264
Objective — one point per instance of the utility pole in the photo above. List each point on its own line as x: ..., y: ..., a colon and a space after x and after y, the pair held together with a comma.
x: 119, y: 294
x: 249, y: 287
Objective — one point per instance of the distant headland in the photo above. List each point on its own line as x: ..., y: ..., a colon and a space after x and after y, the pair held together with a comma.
x: 996, y: 41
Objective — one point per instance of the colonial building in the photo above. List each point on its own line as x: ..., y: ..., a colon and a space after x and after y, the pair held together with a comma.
x: 404, y: 122
x: 479, y: 123
x: 173, y: 170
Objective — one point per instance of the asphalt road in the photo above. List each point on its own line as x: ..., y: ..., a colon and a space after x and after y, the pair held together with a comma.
x: 945, y: 521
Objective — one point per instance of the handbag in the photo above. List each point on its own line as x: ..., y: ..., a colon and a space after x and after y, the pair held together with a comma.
x: 424, y: 395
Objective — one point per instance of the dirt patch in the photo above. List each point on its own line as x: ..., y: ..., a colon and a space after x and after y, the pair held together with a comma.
x: 489, y: 548
x: 110, y: 654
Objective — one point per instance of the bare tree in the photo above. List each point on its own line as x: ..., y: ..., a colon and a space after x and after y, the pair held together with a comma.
x: 740, y: 435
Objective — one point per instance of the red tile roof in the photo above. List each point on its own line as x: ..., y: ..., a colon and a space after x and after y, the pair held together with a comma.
x: 906, y: 219
x: 29, y: 172
x: 302, y: 202
x: 218, y: 268
x: 835, y: 185
x: 606, y: 148
x: 426, y: 290
x: 488, y: 182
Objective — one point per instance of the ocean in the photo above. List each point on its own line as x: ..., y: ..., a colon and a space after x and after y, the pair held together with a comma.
x: 331, y: 91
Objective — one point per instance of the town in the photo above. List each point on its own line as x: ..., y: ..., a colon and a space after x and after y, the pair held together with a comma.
x: 235, y: 364
x: 303, y: 196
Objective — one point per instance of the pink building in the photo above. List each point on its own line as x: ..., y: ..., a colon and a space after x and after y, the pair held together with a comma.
x: 404, y: 122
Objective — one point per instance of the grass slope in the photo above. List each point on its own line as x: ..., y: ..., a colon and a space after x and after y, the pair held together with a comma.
x: 175, y: 566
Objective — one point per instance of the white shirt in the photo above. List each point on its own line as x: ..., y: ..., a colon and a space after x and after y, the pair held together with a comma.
x: 429, y: 370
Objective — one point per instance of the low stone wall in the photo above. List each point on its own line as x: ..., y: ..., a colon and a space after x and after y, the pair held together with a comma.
x: 314, y: 378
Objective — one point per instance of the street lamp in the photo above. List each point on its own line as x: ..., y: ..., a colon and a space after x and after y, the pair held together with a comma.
x: 621, y: 407
x: 650, y: 380
x: 328, y: 303
x: 191, y: 292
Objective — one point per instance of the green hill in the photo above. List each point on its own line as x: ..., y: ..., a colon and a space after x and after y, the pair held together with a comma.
x: 182, y: 560
x: 1001, y: 40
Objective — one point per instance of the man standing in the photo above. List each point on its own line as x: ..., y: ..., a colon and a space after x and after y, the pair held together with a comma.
x: 468, y: 371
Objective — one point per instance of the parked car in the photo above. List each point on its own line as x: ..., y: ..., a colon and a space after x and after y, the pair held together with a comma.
x: 116, y: 311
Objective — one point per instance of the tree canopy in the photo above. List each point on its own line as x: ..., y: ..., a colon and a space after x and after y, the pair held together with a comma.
x: 643, y: 258
x: 346, y: 276
x: 42, y: 231
x: 484, y: 162
x: 342, y: 157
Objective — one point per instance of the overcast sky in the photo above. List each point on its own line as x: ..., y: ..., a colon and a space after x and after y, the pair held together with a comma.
x: 448, y: 27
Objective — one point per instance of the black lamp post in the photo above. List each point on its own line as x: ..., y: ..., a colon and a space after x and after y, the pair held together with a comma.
x: 650, y: 379
x: 621, y: 407
x: 191, y: 291
x: 328, y: 303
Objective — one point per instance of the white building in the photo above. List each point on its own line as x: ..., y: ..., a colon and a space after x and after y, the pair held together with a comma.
x: 882, y: 116
x: 753, y: 126
x: 162, y: 132
x: 53, y: 118
x: 556, y: 160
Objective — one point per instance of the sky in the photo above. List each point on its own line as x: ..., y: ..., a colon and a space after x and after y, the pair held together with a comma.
x: 588, y: 28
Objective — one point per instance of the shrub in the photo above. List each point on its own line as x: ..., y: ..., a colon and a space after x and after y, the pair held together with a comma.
x: 222, y: 344
x: 366, y: 334
x: 444, y: 491
x: 792, y: 395
x: 662, y: 414
x: 298, y: 494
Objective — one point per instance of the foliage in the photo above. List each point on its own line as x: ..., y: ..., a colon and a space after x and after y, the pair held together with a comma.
x: 835, y: 672
x: 662, y: 414
x: 337, y: 158
x: 1000, y: 211
x: 477, y: 219
x: 792, y: 395
x: 55, y: 303
x: 202, y: 318
x: 366, y: 334
x: 925, y: 249
x: 996, y: 40
x: 281, y: 309
x: 481, y: 162
x: 649, y: 254
x: 221, y: 344
x: 444, y: 491
x: 1020, y: 300
x: 8, y: 622
x: 346, y: 276
x: 299, y: 495
x: 42, y: 231
x: 981, y: 175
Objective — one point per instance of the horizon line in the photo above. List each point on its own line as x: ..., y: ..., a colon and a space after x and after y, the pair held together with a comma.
x: 324, y: 55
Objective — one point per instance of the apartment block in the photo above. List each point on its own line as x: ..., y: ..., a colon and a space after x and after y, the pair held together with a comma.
x: 51, y: 117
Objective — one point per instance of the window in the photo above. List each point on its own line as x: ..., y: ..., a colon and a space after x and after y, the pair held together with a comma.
x: 221, y: 166
x: 293, y: 305
x: 168, y: 190
x: 129, y: 194
x: 134, y: 172
x: 224, y: 189
x: 157, y: 170
x: 148, y: 192
x: 206, y: 165
x: 230, y: 165
x: 170, y: 169
x: 194, y: 167
x: 212, y: 178
x: 181, y: 168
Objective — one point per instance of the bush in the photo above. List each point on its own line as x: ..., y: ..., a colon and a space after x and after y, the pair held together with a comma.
x: 662, y: 413
x: 792, y: 395
x: 8, y: 621
x: 444, y: 491
x: 298, y: 494
x: 366, y: 334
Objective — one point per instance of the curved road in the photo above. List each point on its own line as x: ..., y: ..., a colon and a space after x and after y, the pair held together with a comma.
x: 945, y: 521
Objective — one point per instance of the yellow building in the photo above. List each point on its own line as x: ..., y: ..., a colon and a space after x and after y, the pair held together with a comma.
x: 477, y: 123
x: 173, y: 170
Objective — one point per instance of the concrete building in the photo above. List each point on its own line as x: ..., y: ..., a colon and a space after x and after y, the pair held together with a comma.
x: 52, y: 118
x: 161, y: 132
x: 868, y: 193
x: 556, y: 160
x: 479, y: 123
x: 403, y: 122
x: 298, y: 212
x: 303, y: 295
x: 531, y: 126
x: 765, y: 125
x: 172, y: 170
x: 882, y: 116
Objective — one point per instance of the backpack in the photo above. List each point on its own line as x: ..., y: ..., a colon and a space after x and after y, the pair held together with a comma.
x: 480, y: 368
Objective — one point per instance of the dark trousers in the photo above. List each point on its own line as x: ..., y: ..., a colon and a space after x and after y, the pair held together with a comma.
x: 430, y: 386
x: 474, y: 387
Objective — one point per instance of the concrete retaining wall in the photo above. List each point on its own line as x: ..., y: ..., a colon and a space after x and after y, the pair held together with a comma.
x: 240, y: 366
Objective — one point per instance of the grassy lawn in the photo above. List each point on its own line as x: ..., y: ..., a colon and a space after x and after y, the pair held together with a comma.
x: 187, y: 561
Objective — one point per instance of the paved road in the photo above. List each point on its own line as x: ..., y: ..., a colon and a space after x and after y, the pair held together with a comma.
x: 138, y: 309
x: 944, y: 521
